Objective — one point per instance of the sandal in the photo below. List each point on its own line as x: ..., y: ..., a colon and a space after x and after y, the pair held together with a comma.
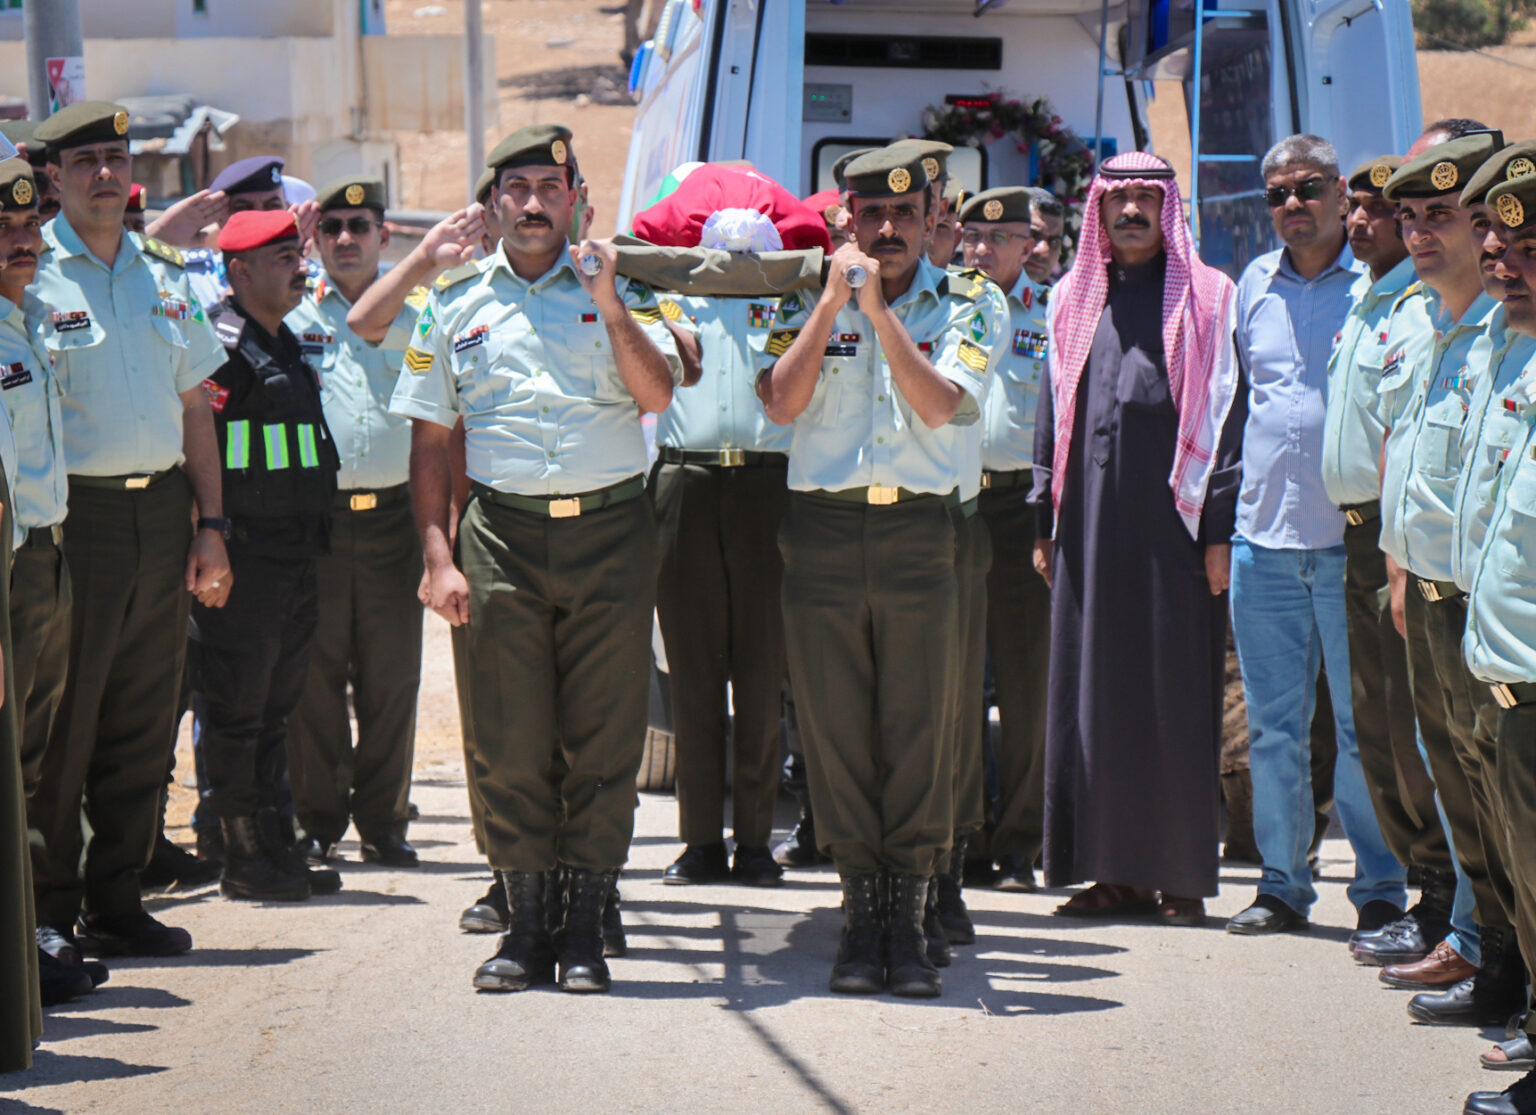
x: 1107, y: 900
x: 1181, y: 911
x: 1517, y: 1054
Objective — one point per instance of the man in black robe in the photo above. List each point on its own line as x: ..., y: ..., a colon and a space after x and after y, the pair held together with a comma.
x: 1136, y: 471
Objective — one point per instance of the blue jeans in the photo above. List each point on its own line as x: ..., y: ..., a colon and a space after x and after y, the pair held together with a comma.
x: 1288, y: 614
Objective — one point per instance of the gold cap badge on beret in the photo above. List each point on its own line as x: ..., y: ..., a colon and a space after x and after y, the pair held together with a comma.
x: 829, y: 214
x: 931, y: 167
x: 22, y: 192
x: 1511, y: 211
x: 992, y: 210
x: 1444, y: 176
x: 120, y: 123
x: 899, y: 180
x: 1519, y: 168
x: 1379, y: 175
x: 557, y: 152
x: 355, y: 194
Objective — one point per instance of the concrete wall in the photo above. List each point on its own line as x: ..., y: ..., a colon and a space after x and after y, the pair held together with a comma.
x: 154, y: 19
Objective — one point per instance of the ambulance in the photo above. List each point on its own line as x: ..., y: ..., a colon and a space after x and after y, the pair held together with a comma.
x: 790, y: 85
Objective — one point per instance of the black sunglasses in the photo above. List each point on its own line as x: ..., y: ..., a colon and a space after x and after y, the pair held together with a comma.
x: 357, y: 226
x: 1310, y: 190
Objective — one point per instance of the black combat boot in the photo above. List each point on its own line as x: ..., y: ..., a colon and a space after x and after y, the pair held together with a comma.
x: 909, y: 972
x: 1413, y: 936
x: 860, y: 967
x: 277, y: 833
x: 250, y: 872
x: 937, y: 940
x: 614, y: 941
x: 1489, y: 997
x: 953, y: 915
x: 489, y: 913
x: 580, y: 940
x: 526, y: 957
x: 799, y: 847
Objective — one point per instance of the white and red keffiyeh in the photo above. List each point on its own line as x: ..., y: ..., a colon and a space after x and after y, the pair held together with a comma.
x: 1198, y: 303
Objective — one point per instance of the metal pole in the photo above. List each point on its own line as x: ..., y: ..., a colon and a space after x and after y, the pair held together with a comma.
x: 52, y: 29
x: 474, y: 86
x: 1098, y: 108
x: 1198, y: 50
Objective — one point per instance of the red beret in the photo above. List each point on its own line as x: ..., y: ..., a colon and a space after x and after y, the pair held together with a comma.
x: 823, y: 201
x: 256, y: 228
x: 136, y: 198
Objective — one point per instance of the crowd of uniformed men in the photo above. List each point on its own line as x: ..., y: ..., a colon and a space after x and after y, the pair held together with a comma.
x: 234, y: 476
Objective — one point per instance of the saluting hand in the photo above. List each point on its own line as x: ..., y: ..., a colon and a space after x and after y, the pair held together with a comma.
x: 449, y: 594
x: 455, y: 239
x: 307, y: 214
x: 183, y: 222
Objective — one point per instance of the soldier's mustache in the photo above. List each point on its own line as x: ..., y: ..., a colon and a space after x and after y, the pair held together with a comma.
x: 1133, y: 222
x: 521, y: 221
x: 888, y: 242
x: 20, y: 255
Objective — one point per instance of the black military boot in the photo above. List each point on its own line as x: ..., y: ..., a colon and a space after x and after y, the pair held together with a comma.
x: 799, y: 847
x: 909, y: 972
x: 860, y: 967
x: 489, y: 914
x: 250, y: 872
x: 1413, y: 936
x: 937, y: 940
x: 614, y: 941
x: 580, y: 940
x: 953, y: 915
x: 277, y: 833
x: 1489, y: 997
x: 526, y: 957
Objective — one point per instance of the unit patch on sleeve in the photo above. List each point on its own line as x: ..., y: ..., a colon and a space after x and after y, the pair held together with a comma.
x: 217, y: 396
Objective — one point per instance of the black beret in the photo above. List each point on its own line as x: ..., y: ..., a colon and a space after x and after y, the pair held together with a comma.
x: 254, y: 175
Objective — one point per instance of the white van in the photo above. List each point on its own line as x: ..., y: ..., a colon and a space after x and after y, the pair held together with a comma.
x: 791, y: 84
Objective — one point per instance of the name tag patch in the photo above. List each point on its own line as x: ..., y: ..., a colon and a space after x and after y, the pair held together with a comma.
x: 318, y: 338
x: 842, y: 350
x: 476, y: 336
x: 69, y: 321
x: 14, y: 375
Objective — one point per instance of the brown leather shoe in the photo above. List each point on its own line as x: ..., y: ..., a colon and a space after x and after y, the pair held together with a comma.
x: 1443, y: 967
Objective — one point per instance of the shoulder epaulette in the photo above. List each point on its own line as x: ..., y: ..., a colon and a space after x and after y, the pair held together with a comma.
x: 456, y: 275
x: 417, y: 298
x: 1415, y: 287
x: 161, y: 250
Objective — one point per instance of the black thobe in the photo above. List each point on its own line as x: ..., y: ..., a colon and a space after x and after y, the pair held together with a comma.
x: 1138, y: 643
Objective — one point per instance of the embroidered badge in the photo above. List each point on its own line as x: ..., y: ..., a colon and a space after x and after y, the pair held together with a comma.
x: 978, y: 327
x: 70, y: 320
x: 14, y: 375
x: 425, y: 322
x: 669, y: 309
x: 217, y: 396
x: 779, y: 341
x: 476, y: 336
x: 973, y: 357
x: 759, y: 314
x: 417, y: 362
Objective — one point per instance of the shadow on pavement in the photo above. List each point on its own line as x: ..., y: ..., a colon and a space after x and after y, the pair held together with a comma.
x: 65, y: 1068
x: 214, y: 958
x: 114, y: 996
x: 348, y: 896
x: 63, y: 1028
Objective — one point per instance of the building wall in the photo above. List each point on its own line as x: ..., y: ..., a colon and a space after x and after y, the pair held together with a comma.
x: 154, y: 19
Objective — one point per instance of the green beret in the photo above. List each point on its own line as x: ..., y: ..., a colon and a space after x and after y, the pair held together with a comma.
x: 1374, y: 173
x: 1514, y: 200
x: 1514, y: 161
x: 18, y: 189
x: 1005, y: 203
x: 1444, y: 169
x: 535, y: 145
x: 935, y: 155
x: 359, y: 191
x: 84, y: 122
x: 887, y: 172
x: 844, y: 159
x: 483, y: 186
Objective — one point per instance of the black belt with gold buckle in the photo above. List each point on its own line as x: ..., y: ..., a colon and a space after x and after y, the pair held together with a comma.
x: 1358, y: 514
x: 357, y: 499
x: 134, y: 482
x: 1015, y: 478
x: 43, y: 537
x: 563, y: 507
x: 1436, y: 591
x: 719, y: 458
x: 1514, y: 694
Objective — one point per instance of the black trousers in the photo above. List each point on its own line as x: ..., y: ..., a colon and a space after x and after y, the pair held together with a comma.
x: 368, y: 636
x: 717, y: 597
x: 40, y: 608
x: 127, y: 553
x: 973, y: 557
x: 249, y: 660
x: 1516, y: 787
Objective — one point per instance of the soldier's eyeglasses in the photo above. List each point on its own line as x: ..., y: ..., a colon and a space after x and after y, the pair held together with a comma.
x: 357, y: 226
x: 999, y: 239
x: 1310, y: 190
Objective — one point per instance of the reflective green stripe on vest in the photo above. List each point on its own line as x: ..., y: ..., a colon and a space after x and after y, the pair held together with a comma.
x: 237, y: 450
x: 309, y: 457
x: 277, y: 446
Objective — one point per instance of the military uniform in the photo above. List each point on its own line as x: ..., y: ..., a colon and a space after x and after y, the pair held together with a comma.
x: 126, y: 340
x: 719, y: 488
x: 369, y: 630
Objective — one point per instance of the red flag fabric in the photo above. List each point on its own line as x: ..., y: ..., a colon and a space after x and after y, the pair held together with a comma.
x: 677, y: 220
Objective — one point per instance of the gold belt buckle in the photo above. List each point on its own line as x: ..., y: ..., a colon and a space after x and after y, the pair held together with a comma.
x: 1504, y: 696
x: 986, y: 480
x: 565, y: 508
x: 57, y: 530
x: 1430, y: 590
x: 881, y: 495
x: 733, y: 458
x: 135, y: 483
x: 1353, y: 517
x: 364, y: 501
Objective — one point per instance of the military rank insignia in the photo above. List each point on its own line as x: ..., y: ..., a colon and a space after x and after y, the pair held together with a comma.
x: 217, y: 396
x: 14, y: 375
x: 476, y: 336
x: 68, y: 321
x: 417, y: 362
x: 1455, y: 382
x: 759, y: 315
x: 779, y: 341
x: 1028, y: 298
x: 669, y: 309
x: 645, y: 315
x: 1026, y: 343
x: 973, y: 356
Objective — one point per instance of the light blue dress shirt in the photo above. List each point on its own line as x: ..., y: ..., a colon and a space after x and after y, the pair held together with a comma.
x: 529, y: 367
x: 30, y: 393
x: 1425, y: 448
x: 858, y: 430
x: 1500, y: 641
x: 722, y: 410
x: 1285, y: 331
x: 357, y: 381
x: 1009, y: 414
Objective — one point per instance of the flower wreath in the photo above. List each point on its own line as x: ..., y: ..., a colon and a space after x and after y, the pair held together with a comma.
x: 1065, y: 161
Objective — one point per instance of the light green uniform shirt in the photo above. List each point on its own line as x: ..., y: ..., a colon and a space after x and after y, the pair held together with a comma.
x: 722, y: 410
x: 1500, y: 359
x: 529, y: 367
x: 357, y: 381
x: 30, y: 392
x: 126, y: 341
x: 1500, y: 641
x: 858, y: 429
x: 1425, y: 447
x: 1352, y: 427
x: 1012, y: 396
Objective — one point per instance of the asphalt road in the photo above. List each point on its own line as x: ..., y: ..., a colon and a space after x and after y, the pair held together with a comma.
x: 362, y: 1002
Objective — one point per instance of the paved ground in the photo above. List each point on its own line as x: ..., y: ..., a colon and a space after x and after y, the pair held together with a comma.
x: 362, y: 1002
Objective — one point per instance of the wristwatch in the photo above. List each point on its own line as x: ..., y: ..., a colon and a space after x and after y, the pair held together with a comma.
x: 221, y: 525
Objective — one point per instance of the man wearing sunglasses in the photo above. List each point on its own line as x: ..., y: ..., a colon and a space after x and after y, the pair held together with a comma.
x: 369, y: 630
x: 1288, y: 609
